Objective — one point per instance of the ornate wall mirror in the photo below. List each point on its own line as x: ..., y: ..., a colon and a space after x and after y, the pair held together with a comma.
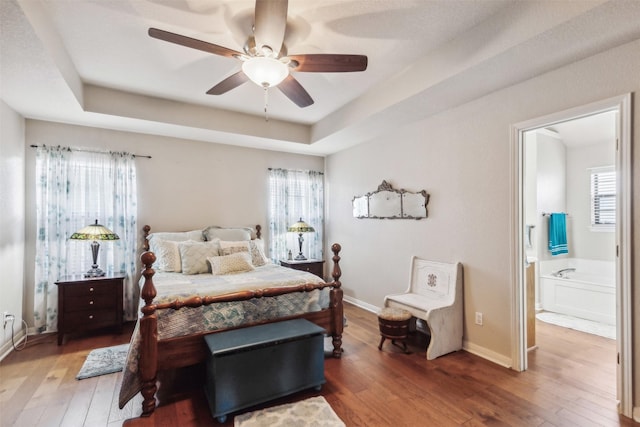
x: 387, y: 202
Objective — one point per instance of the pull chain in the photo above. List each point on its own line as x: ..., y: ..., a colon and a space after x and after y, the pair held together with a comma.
x: 266, y: 103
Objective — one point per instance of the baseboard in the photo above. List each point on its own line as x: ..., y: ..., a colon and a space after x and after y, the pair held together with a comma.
x: 7, y: 347
x: 485, y: 353
x: 361, y: 304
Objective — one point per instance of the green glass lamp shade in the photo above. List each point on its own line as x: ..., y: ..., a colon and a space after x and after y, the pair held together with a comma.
x: 94, y: 232
x: 300, y: 227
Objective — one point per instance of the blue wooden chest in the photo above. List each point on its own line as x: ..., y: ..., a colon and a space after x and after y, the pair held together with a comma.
x: 253, y: 365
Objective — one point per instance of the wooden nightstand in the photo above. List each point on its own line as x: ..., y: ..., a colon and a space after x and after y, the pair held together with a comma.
x: 86, y: 303
x: 314, y: 266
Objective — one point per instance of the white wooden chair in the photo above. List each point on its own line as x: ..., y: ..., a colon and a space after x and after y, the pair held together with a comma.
x: 435, y: 296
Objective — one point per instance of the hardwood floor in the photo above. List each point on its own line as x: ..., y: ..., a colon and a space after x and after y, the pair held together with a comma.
x: 570, y: 382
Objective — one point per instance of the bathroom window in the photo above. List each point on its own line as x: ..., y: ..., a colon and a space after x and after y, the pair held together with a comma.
x: 603, y: 199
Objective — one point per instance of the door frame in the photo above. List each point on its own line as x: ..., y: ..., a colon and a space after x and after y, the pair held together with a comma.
x: 624, y: 304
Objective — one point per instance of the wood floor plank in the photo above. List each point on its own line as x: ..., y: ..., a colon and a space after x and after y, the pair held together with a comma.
x: 27, y: 417
x: 79, y: 403
x: 9, y: 387
x: 47, y: 388
x: 98, y: 413
x: 53, y: 413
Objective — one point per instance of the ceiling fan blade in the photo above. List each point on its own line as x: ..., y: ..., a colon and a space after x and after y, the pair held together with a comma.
x: 270, y: 23
x: 295, y: 92
x: 329, y: 63
x: 231, y: 82
x: 193, y: 43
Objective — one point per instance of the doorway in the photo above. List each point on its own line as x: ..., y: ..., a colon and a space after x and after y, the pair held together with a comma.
x: 521, y: 235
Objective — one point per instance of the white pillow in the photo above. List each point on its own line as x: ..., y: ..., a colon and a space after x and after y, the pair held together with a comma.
x: 167, y: 255
x: 231, y: 247
x: 181, y: 236
x: 257, y: 256
x: 229, y: 233
x: 238, y: 262
x: 193, y: 255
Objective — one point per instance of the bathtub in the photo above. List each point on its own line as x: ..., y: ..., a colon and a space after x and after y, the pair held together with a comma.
x: 588, y: 293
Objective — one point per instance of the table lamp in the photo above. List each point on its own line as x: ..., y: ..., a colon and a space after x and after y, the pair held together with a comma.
x: 300, y: 227
x: 94, y: 232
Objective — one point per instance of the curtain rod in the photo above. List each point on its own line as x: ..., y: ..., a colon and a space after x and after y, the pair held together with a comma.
x: 295, y: 170
x: 93, y: 151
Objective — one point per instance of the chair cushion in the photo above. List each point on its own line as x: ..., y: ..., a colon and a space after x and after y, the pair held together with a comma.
x: 392, y: 313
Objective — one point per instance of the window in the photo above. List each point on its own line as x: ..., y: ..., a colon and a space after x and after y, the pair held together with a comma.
x: 603, y: 198
x: 293, y: 195
x: 73, y: 189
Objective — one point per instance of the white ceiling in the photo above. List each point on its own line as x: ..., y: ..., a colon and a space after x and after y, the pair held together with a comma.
x: 92, y: 63
x: 590, y: 130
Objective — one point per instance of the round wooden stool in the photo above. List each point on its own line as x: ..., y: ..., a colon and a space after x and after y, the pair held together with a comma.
x: 394, y: 324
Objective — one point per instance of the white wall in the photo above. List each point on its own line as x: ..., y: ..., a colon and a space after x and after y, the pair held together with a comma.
x: 551, y: 195
x: 12, y: 212
x: 586, y: 243
x: 184, y: 186
x: 531, y: 215
x: 462, y: 158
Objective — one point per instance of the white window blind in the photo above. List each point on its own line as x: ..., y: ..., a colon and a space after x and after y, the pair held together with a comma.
x: 603, y: 197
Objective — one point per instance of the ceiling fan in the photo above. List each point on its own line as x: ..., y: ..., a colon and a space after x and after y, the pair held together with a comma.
x: 265, y: 60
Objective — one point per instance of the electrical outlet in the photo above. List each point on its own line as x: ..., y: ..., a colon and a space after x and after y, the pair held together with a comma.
x: 6, y: 317
x: 478, y: 318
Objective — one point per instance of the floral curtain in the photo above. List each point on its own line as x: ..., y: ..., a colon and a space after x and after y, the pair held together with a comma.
x: 295, y: 194
x: 73, y: 189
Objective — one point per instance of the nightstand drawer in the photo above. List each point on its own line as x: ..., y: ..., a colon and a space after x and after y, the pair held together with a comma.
x: 311, y: 266
x: 90, y: 319
x: 313, y: 269
x: 88, y: 289
x: 89, y: 302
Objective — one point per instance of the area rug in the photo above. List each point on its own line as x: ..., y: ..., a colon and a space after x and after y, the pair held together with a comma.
x: 311, y: 412
x: 103, y: 361
x: 582, y: 325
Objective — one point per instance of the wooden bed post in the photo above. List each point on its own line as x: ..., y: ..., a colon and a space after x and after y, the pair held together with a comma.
x: 146, y: 229
x: 148, y: 362
x: 335, y: 300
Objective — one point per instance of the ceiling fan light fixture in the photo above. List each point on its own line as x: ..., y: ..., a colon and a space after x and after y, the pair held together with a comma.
x: 265, y: 72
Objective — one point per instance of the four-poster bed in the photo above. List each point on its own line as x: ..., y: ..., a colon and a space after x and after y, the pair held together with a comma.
x: 163, y: 340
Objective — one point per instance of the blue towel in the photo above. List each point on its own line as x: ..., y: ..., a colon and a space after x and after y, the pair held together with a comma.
x: 558, y: 234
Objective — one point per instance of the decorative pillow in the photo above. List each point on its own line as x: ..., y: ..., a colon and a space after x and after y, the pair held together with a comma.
x: 167, y: 255
x: 231, y: 233
x: 232, y: 247
x: 238, y: 262
x: 194, y: 255
x: 257, y: 256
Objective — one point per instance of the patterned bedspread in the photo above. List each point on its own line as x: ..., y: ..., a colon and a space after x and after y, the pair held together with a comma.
x: 186, y: 321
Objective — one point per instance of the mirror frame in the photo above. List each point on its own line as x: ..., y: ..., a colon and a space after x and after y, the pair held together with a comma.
x: 396, y: 209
